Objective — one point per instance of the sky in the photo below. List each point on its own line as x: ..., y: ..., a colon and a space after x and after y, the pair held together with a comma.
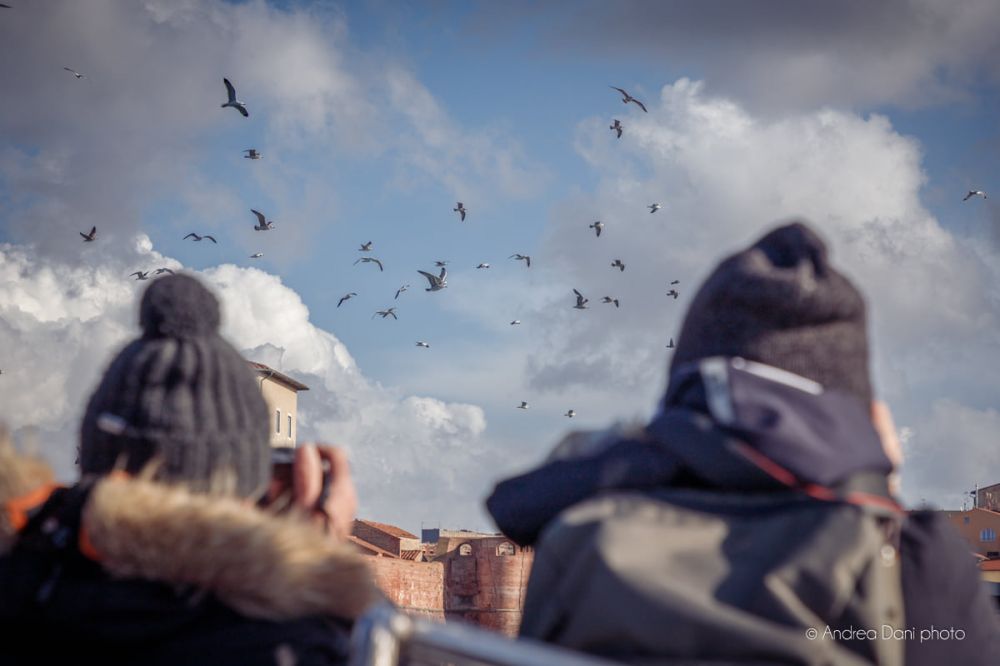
x: 869, y: 120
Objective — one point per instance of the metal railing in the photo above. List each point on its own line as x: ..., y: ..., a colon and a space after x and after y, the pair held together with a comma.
x: 386, y: 637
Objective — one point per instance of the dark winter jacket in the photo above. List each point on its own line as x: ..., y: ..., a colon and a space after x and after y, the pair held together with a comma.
x: 753, y: 443
x: 127, y: 571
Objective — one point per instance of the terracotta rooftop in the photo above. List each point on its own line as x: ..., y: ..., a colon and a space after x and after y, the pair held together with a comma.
x: 391, y: 530
x: 370, y: 548
x: 271, y: 373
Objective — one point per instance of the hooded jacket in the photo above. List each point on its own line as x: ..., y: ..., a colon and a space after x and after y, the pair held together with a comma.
x: 762, y: 446
x: 125, y: 570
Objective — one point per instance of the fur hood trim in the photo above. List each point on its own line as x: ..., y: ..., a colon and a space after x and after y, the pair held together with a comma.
x: 261, y: 564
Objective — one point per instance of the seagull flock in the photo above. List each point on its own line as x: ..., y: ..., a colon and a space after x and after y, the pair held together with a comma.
x: 436, y: 282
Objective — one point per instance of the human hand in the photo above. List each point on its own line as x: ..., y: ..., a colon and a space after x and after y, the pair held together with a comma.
x: 323, y: 487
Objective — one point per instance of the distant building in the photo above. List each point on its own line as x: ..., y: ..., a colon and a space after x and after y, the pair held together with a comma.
x: 988, y: 497
x: 384, y: 540
x: 281, y: 393
x: 980, y: 528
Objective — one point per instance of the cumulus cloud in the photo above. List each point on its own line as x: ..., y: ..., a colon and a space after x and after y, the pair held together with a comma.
x: 725, y: 175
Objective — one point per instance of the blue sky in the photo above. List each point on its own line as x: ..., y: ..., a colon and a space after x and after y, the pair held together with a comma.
x: 374, y: 118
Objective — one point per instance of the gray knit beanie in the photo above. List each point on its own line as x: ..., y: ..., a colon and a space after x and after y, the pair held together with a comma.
x: 181, y: 395
x: 780, y: 302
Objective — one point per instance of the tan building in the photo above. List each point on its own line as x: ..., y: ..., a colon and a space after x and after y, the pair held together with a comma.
x: 988, y: 497
x: 980, y: 528
x: 281, y: 393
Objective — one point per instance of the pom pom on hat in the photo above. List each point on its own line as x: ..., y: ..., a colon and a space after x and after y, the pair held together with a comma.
x: 178, y: 306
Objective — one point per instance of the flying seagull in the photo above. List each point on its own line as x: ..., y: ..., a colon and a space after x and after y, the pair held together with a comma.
x: 522, y: 257
x: 139, y: 275
x: 252, y: 154
x: 232, y: 101
x: 365, y: 247
x: 437, y: 282
x: 626, y: 98
x: 199, y: 238
x: 160, y: 271
x: 401, y: 290
x: 440, y: 264
x: 425, y: 345
x: 675, y: 282
x: 87, y: 238
x: 346, y: 297
x: 570, y: 414
x: 671, y: 345
x: 617, y: 127
x: 263, y: 224
x: 974, y: 193
x: 461, y: 210
x: 523, y: 405
x: 390, y: 312
x: 673, y: 292
x: 75, y: 73
x: 598, y: 227
x: 581, y: 302
x: 369, y: 260
x: 256, y: 255
x: 617, y: 263
x: 653, y: 208
x: 516, y: 322
x: 608, y: 299
x: 483, y: 266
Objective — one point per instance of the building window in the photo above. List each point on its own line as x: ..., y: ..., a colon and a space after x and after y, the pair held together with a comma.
x: 465, y: 550
x: 965, y: 520
x: 277, y: 421
x: 289, y: 426
x: 987, y: 534
x: 506, y: 548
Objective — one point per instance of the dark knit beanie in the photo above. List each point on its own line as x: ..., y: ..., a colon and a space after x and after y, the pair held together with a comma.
x: 179, y: 395
x: 780, y: 302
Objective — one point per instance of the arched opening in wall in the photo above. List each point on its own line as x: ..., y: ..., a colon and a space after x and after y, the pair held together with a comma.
x: 465, y: 550
x: 506, y: 548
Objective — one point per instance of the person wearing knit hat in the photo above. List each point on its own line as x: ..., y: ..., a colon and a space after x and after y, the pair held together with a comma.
x: 160, y: 553
x: 756, y: 508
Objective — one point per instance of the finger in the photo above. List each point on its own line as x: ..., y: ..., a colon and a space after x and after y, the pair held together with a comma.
x: 307, y: 476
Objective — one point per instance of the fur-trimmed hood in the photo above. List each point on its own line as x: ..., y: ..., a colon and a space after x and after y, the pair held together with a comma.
x: 261, y: 564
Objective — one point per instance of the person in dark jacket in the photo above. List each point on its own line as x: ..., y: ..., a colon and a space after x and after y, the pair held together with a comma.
x: 160, y: 554
x: 754, y: 518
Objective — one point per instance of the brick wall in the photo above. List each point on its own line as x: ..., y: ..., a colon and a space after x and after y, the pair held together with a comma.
x: 415, y: 587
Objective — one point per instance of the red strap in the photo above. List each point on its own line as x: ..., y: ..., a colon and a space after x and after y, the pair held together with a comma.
x: 18, y: 510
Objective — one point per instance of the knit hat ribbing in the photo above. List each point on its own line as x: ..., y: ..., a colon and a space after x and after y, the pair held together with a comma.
x: 181, y: 395
x: 780, y: 302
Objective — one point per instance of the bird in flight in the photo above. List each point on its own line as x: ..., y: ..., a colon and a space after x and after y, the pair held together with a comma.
x: 252, y: 154
x: 673, y: 292
x: 87, y: 238
x: 675, y: 282
x: 200, y: 238
x: 608, y: 299
x: 461, y: 210
x: 346, y: 297
x: 598, y: 227
x: 140, y: 275
x: 653, y: 207
x: 671, y: 345
x: 401, y: 290
x: 160, y: 271
x: 440, y: 264
x: 256, y: 255
x: 390, y: 312
x: 522, y: 257
x: 516, y: 322
x: 263, y: 224
x: 483, y: 266
x: 75, y: 73
x: 581, y: 302
x: 570, y: 414
x: 437, y: 282
x: 617, y: 263
x: 365, y: 247
x: 232, y: 101
x: 974, y: 193
x: 617, y: 127
x: 369, y: 260
x: 626, y: 98
x: 523, y: 405
x: 425, y: 345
